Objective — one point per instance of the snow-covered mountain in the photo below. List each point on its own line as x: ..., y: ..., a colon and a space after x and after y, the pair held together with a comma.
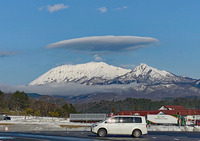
x: 149, y: 82
x: 89, y: 73
x: 145, y: 74
x: 100, y: 73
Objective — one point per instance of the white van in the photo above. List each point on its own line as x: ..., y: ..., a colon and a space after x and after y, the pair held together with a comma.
x: 121, y: 124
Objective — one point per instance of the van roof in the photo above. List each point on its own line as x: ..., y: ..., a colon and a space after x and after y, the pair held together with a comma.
x: 126, y: 116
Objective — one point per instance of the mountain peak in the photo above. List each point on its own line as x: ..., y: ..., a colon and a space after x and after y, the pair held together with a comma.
x: 144, y: 69
x: 100, y: 73
x: 143, y: 66
x: 80, y: 73
x: 95, y: 63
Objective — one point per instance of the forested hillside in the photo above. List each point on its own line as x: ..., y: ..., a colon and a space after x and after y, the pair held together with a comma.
x: 19, y: 103
x: 136, y: 104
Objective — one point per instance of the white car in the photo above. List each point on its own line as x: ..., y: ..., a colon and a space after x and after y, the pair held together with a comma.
x: 121, y: 125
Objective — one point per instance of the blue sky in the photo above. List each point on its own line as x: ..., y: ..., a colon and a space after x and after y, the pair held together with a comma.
x: 27, y: 27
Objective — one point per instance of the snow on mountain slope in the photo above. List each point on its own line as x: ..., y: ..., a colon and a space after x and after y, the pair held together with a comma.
x: 197, y: 84
x: 100, y: 73
x: 145, y: 74
x: 80, y: 73
x: 144, y: 69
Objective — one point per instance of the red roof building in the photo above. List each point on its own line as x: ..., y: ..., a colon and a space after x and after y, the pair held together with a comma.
x: 172, y: 107
x: 166, y: 110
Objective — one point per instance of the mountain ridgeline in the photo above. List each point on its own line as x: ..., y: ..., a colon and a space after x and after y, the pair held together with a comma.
x: 141, y: 82
x: 90, y: 74
x: 100, y: 73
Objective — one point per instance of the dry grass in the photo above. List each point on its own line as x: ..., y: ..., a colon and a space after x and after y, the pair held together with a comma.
x: 73, y: 126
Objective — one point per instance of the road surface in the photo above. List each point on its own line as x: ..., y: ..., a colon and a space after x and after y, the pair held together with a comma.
x: 88, y: 136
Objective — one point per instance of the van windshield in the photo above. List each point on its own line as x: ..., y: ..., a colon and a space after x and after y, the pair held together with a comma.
x: 113, y: 120
x: 102, y: 121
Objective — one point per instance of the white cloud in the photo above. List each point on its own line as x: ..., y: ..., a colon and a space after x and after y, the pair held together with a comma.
x: 102, y: 44
x: 54, y: 8
x: 41, y: 8
x: 4, y: 54
x: 124, y: 7
x: 65, y: 88
x: 121, y: 8
x: 97, y: 57
x: 102, y: 9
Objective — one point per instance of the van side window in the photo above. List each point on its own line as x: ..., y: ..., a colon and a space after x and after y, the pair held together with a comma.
x: 126, y: 119
x: 137, y: 120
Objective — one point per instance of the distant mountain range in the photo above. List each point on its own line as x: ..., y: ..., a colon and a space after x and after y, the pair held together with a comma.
x: 99, y: 73
x: 152, y: 83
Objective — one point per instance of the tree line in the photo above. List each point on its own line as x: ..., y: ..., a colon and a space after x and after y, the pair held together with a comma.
x: 132, y: 104
x: 19, y: 103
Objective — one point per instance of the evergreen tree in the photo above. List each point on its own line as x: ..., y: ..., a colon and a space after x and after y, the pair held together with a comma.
x: 66, y: 107
x: 19, y: 101
x: 2, y: 104
x: 72, y: 109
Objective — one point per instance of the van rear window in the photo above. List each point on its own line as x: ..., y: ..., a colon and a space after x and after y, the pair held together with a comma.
x: 137, y: 120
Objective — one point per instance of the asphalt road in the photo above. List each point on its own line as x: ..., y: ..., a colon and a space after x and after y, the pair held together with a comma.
x: 88, y: 136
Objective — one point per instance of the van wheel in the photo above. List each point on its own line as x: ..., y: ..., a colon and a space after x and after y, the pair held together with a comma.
x: 136, y: 133
x: 101, y: 132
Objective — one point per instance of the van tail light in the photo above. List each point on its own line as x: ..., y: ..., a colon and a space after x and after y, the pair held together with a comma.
x: 146, y: 125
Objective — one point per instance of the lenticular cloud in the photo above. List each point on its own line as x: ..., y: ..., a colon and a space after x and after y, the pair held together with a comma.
x: 105, y: 43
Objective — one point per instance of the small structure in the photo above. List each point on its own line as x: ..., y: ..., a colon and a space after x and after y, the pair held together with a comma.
x: 165, y: 109
x: 172, y: 107
x: 163, y: 119
x: 183, y: 115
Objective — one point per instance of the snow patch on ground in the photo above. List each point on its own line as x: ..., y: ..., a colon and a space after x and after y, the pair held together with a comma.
x: 173, y: 128
x: 32, y: 123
